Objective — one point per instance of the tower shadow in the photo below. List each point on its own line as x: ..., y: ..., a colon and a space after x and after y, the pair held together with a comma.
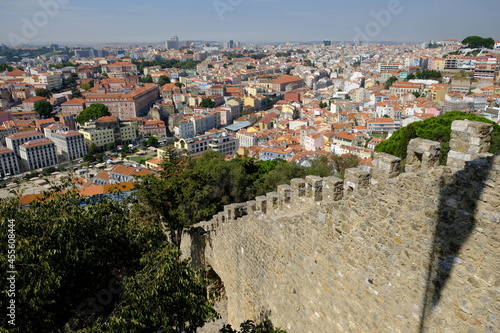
x: 456, y: 221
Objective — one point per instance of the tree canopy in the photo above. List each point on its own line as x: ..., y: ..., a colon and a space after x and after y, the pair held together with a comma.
x: 99, y: 267
x: 43, y: 92
x: 93, y: 112
x: 162, y: 80
x: 88, y: 85
x: 147, y: 79
x: 43, y: 108
x: 425, y: 75
x: 436, y: 129
x: 476, y: 42
x: 207, y: 103
x: 152, y: 141
x: 390, y: 81
x: 76, y: 93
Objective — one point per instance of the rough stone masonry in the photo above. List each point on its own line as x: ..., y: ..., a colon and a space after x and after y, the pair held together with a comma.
x: 376, y: 252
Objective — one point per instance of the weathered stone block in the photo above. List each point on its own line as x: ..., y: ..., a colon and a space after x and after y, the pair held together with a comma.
x: 284, y: 195
x: 298, y: 187
x: 314, y: 187
x: 272, y: 200
x: 261, y: 204
x: 385, y: 166
x: 355, y: 178
x: 422, y: 154
x: 333, y: 188
x: 251, y: 207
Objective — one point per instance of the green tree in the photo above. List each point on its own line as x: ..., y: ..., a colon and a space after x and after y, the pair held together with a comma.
x: 166, y: 295
x: 93, y: 112
x: 76, y: 93
x: 411, y: 77
x: 43, y: 92
x: 94, y: 149
x: 43, y: 108
x: 390, y: 82
x: 66, y: 253
x: 476, y: 42
x: 110, y: 146
x: 436, y: 129
x: 207, y: 103
x: 88, y: 85
x: 152, y: 141
x: 162, y: 80
x: 147, y: 79
x: 97, y: 268
x: 179, y: 84
x: 428, y: 75
x: 5, y: 67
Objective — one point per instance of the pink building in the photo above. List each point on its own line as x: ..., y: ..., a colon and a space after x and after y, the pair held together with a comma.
x: 152, y: 127
x: 314, y: 141
x: 73, y: 106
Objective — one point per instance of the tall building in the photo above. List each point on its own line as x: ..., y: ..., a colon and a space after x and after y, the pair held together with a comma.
x: 36, y: 154
x: 126, y: 103
x: 173, y: 43
x: 15, y: 140
x: 69, y: 144
x: 327, y: 43
x: 8, y: 162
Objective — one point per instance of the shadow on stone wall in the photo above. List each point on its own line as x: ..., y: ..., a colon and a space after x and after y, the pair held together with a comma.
x: 459, y: 194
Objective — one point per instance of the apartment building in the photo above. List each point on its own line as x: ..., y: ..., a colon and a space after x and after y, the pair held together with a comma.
x: 8, y: 162
x: 120, y: 69
x: 221, y: 142
x: 29, y: 104
x: 99, y: 137
x: 382, y: 125
x: 152, y: 127
x: 69, y: 144
x: 36, y: 154
x: 125, y: 103
x: 224, y: 144
x: 73, y: 106
x: 46, y: 80
x: 486, y: 68
x: 17, y: 139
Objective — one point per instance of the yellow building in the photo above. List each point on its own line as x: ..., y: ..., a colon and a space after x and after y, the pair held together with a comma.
x: 99, y: 137
x: 437, y: 92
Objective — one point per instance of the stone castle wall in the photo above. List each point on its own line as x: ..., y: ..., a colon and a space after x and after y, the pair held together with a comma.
x: 375, y: 252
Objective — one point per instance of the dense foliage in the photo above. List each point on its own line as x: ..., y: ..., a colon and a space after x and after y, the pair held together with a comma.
x: 17, y: 54
x: 43, y: 108
x: 436, y: 129
x: 76, y: 93
x: 390, y: 81
x: 476, y: 41
x: 207, y: 103
x: 97, y: 268
x: 93, y: 112
x: 43, y: 92
x: 425, y: 75
x: 166, y: 63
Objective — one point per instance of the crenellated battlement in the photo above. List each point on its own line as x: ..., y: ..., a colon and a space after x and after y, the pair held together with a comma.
x: 379, y: 251
x: 422, y: 156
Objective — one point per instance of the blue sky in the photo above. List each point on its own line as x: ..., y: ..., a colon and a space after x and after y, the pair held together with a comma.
x: 104, y: 21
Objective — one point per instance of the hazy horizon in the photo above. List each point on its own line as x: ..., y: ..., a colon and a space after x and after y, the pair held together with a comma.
x: 67, y: 22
